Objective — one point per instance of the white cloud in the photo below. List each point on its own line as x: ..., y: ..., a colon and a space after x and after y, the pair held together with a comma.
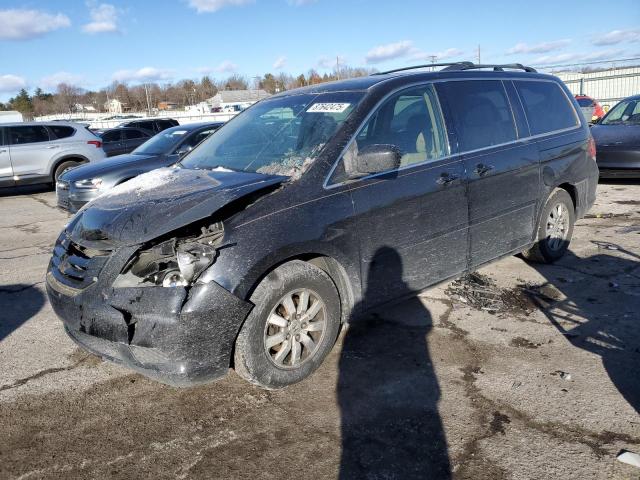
x: 210, y: 6
x: 617, y: 36
x: 104, y: 18
x: 20, y: 24
x: 226, y: 67
x: 280, y: 63
x: 327, y: 63
x: 298, y: 3
x: 145, y: 74
x: 11, y: 83
x: 390, y: 51
x: 52, y: 81
x: 544, y: 47
x: 437, y: 56
x: 577, y: 57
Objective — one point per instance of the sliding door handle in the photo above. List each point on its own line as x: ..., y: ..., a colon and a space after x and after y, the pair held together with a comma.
x: 446, y: 178
x: 482, y: 169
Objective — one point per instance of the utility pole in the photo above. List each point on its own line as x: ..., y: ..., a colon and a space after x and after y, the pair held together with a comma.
x: 146, y: 92
x: 479, y: 61
x: 337, y: 67
x: 433, y: 60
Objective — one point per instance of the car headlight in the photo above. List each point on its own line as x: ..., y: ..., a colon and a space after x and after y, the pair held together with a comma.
x: 88, y: 183
x: 174, y: 262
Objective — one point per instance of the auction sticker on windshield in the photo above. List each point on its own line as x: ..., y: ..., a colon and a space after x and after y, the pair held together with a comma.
x: 328, y: 107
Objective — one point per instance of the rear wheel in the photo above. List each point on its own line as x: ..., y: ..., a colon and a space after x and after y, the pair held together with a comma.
x: 555, y: 229
x: 292, y: 327
x: 63, y: 167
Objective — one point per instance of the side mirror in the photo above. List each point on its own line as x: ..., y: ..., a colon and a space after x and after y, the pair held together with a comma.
x: 375, y: 159
x: 183, y: 151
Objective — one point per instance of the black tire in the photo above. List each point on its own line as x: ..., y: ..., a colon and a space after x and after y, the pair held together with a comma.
x: 252, y: 360
x: 60, y: 169
x: 544, y: 250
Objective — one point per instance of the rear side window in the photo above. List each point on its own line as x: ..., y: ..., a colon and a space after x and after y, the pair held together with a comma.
x: 547, y: 107
x: 28, y: 134
x: 585, y: 102
x: 164, y: 124
x: 133, y: 134
x: 62, y: 131
x: 148, y: 125
x: 112, y: 136
x: 481, y: 112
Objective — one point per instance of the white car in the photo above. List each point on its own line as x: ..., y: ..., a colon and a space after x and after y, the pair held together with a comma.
x: 38, y: 152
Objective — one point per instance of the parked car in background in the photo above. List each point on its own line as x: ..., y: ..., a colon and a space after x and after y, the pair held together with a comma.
x: 154, y: 125
x: 617, y: 138
x: 590, y: 108
x: 81, y: 185
x: 37, y: 152
x: 315, y: 205
x: 118, y: 141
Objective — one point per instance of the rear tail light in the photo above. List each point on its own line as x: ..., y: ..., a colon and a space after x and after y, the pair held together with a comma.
x: 95, y: 143
x: 591, y: 148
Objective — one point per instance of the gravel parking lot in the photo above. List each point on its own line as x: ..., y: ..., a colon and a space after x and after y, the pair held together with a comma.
x: 523, y: 371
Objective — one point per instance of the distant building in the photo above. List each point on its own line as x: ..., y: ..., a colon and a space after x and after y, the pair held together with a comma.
x: 79, y: 107
x: 167, y: 106
x: 10, y: 116
x: 116, y: 106
x: 202, y: 108
x: 230, y: 99
x: 608, y: 86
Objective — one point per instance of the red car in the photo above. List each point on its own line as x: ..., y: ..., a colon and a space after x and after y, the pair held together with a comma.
x: 591, y: 109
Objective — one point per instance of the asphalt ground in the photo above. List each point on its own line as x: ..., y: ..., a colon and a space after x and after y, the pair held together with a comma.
x: 521, y: 372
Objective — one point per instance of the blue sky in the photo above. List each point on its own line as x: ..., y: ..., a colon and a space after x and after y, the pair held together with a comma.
x: 91, y: 43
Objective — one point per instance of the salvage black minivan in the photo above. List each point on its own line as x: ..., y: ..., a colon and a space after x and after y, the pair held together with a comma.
x: 253, y: 250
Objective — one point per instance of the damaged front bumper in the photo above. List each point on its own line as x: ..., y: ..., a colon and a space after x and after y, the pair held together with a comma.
x: 180, y: 335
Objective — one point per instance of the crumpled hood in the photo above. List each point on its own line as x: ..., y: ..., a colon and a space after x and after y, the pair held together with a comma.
x: 159, y: 202
x: 616, y: 135
x: 95, y: 169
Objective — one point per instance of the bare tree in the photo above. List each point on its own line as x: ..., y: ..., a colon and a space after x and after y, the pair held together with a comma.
x: 67, y: 97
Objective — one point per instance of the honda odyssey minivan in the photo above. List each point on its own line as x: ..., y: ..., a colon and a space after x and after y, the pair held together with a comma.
x: 259, y: 244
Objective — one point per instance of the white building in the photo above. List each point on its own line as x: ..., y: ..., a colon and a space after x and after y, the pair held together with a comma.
x: 115, y: 106
x: 10, y: 116
x: 608, y: 87
x: 229, y: 99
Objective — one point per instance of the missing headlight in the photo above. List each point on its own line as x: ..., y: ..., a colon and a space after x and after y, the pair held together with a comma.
x: 174, y: 262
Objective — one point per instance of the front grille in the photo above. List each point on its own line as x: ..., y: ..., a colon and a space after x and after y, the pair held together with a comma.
x: 62, y: 193
x: 74, y: 265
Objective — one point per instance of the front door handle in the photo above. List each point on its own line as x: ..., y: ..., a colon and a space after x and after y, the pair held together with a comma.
x: 446, y: 178
x: 482, y: 169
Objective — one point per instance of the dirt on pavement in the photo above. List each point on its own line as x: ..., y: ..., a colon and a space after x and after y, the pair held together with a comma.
x: 520, y: 371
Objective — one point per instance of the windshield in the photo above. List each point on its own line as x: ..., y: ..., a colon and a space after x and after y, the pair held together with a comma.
x: 585, y: 102
x: 162, y: 143
x: 281, y: 136
x: 627, y: 112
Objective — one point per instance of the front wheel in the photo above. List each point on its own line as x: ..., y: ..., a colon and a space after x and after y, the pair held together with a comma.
x: 555, y: 229
x: 63, y: 167
x: 292, y: 327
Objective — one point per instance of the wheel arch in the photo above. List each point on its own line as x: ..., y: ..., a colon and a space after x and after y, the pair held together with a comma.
x: 571, y: 190
x: 66, y: 158
x: 332, y: 267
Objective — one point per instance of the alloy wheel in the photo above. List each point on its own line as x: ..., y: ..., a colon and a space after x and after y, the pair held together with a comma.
x: 295, y: 328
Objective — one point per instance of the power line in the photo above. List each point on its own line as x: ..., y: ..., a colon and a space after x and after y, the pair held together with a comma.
x: 589, y: 63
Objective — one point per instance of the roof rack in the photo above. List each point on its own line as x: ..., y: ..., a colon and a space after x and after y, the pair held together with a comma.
x: 449, y: 67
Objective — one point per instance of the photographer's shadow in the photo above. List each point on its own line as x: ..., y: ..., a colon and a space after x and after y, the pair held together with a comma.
x: 388, y: 391
x: 605, y: 323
